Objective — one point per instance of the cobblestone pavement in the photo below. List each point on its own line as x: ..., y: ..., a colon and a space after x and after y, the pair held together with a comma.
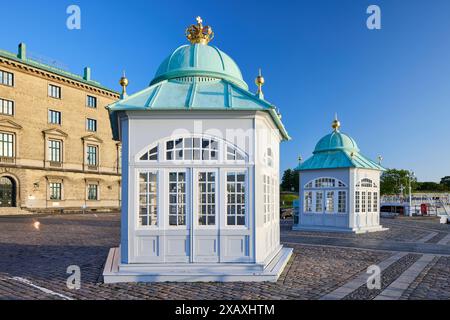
x: 33, y: 263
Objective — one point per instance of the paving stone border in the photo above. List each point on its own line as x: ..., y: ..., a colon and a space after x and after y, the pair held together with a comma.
x: 387, y: 277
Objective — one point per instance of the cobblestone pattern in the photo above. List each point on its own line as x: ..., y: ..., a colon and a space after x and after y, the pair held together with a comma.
x: 433, y: 283
x: 42, y: 257
x: 387, y: 277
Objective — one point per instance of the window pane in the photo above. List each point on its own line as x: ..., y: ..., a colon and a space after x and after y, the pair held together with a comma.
x: 177, y: 198
x: 148, y: 198
x: 236, y: 213
x: 206, y: 204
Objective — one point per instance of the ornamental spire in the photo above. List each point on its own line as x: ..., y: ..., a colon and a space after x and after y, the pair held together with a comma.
x: 123, y: 83
x: 336, y: 123
x: 197, y: 33
x: 259, y: 81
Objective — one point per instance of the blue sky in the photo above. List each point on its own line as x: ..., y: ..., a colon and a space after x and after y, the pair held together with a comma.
x: 390, y: 87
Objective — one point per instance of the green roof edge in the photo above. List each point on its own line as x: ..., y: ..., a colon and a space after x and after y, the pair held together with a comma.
x: 63, y: 73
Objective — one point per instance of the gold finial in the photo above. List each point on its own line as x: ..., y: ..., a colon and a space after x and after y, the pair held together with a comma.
x: 260, y: 82
x: 336, y: 123
x: 199, y: 33
x: 124, y: 83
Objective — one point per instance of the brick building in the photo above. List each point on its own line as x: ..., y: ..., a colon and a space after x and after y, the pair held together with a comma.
x: 56, y: 146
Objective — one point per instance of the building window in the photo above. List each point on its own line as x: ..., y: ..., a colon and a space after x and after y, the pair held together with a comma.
x: 54, y: 149
x: 319, y: 201
x: 342, y: 202
x: 329, y: 206
x: 272, y: 195
x: 268, y: 198
x: 375, y: 202
x: 234, y: 155
x: 6, y: 107
x: 6, y: 78
x: 91, y: 102
x: 152, y: 155
x: 92, y: 155
x: 148, y: 205
x: 54, y: 117
x: 6, y: 145
x: 357, y: 201
x: 307, y: 201
x: 325, y: 183
x: 54, y: 91
x: 55, y: 190
x: 177, y: 198
x: 207, y: 198
x: 363, y: 201
x: 369, y: 201
x: 92, y: 192
x: 367, y: 183
x: 236, y: 199
x: 192, y: 149
x: 269, y: 157
x: 91, y: 125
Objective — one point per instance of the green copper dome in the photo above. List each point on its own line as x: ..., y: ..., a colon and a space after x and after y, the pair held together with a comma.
x: 336, y: 141
x: 337, y: 150
x: 199, y: 60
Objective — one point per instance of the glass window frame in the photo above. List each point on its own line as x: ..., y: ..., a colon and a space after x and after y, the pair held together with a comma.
x: 176, y: 195
x: 54, y: 91
x: 9, y: 105
x: 55, y: 145
x: 147, y: 190
x: 207, y: 199
x: 91, y: 101
x: 6, y: 78
x: 88, y: 154
x: 54, y: 117
x: 55, y: 186
x: 232, y: 196
x: 91, y: 125
x: 97, y: 187
x: 8, y: 144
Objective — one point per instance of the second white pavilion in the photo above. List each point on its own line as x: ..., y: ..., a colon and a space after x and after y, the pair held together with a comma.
x: 339, y: 187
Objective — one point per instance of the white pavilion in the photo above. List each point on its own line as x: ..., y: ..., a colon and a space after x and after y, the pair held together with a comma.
x: 339, y: 187
x: 200, y: 173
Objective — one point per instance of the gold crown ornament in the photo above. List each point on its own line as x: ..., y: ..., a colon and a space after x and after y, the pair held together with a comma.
x: 197, y: 33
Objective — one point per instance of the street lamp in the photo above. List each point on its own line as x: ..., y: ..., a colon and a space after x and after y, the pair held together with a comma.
x: 410, y: 176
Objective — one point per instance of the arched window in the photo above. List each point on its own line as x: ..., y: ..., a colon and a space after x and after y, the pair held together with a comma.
x: 192, y: 148
x: 366, y: 183
x: 325, y: 183
x: 195, y: 148
x: 151, y: 154
x: 366, y: 196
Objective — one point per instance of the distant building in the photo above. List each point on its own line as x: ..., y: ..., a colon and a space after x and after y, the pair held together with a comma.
x: 56, y: 146
x: 339, y: 188
x: 200, y: 173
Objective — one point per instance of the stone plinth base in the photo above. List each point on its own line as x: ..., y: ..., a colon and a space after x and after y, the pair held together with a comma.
x: 115, y: 272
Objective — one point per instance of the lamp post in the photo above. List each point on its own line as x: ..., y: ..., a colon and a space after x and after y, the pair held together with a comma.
x: 410, y: 176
